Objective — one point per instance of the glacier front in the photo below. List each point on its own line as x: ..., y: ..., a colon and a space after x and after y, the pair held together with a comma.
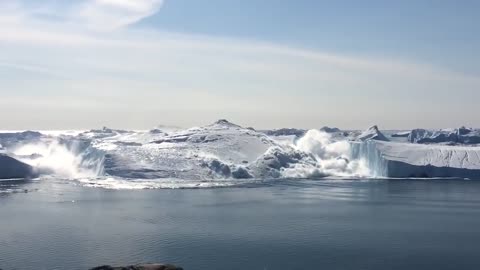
x: 223, y: 153
x: 404, y: 160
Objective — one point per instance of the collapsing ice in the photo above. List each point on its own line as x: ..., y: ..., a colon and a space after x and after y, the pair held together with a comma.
x: 403, y: 160
x: 222, y: 153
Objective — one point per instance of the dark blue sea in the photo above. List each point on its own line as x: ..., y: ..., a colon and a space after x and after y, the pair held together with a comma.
x: 282, y: 224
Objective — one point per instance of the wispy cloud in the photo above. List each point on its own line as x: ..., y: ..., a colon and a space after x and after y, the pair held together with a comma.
x: 96, y: 15
x: 188, y: 76
x: 113, y: 14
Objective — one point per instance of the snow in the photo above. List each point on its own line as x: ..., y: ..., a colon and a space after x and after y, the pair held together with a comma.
x: 8, y: 139
x: 447, y: 136
x: 225, y: 154
x: 393, y: 159
x: 217, y: 151
x: 372, y: 133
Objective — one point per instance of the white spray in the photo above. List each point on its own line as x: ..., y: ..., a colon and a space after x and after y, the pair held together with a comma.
x: 68, y: 161
x: 333, y: 158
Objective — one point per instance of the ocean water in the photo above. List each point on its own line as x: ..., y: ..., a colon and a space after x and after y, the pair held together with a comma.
x: 280, y: 224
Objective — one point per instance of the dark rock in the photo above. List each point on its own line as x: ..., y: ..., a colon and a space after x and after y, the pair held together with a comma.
x: 241, y: 173
x: 225, y: 123
x: 139, y: 267
x: 219, y: 167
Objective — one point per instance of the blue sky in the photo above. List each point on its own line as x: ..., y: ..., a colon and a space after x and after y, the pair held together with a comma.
x: 436, y: 31
x: 136, y: 64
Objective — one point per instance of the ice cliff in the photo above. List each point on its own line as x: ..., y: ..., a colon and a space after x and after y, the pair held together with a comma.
x: 401, y: 160
x: 224, y: 152
x: 448, y: 136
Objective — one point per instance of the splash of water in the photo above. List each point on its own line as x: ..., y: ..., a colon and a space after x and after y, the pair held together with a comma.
x: 67, y: 160
x: 316, y: 154
x: 333, y: 157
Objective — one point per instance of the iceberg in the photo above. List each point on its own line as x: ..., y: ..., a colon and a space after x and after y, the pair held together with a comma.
x: 13, y: 168
x: 401, y: 134
x: 406, y: 160
x: 224, y: 153
x: 372, y: 133
x: 330, y: 130
x: 220, y: 150
x: 286, y: 132
x: 415, y: 158
x: 9, y: 139
x: 447, y: 136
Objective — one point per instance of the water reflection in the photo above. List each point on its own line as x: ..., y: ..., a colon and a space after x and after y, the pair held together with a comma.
x: 293, y: 224
x: 11, y: 186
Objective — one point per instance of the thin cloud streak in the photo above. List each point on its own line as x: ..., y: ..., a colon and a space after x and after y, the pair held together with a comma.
x: 114, y: 14
x: 95, y: 15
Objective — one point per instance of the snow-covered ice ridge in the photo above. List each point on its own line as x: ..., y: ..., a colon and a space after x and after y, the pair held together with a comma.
x: 422, y: 153
x: 223, y: 154
x: 402, y: 160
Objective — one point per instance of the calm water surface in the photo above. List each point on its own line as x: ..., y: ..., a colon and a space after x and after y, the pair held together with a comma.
x: 300, y: 224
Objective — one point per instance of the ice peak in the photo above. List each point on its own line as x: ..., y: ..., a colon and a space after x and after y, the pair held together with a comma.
x: 372, y: 133
x: 224, y: 122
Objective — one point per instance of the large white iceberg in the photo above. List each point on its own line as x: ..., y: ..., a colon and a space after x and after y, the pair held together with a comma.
x: 416, y: 158
x: 372, y: 133
x: 217, y: 151
x: 446, y: 136
x: 225, y: 152
x: 401, y: 160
